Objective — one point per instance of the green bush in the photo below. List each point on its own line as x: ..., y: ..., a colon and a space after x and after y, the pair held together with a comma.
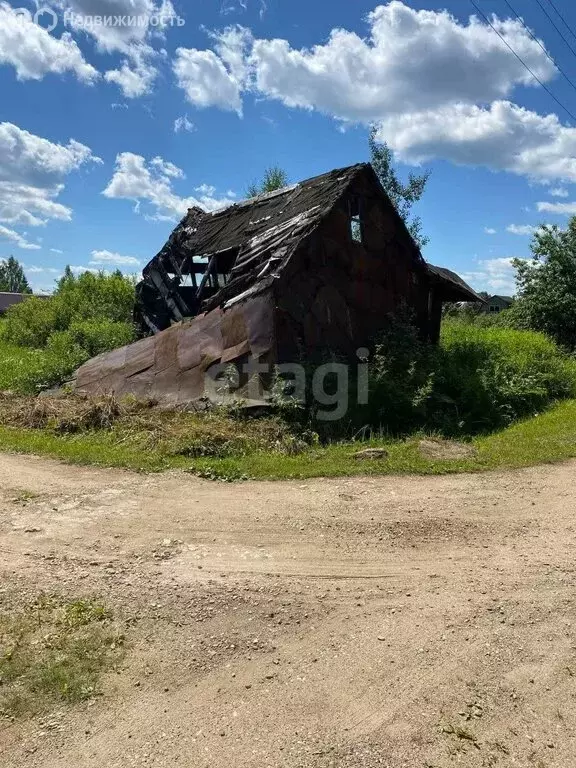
x: 43, y: 340
x: 87, y: 298
x: 92, y: 336
x: 478, y: 379
x: 30, y: 323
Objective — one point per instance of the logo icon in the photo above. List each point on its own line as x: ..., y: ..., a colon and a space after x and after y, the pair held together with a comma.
x: 46, y: 18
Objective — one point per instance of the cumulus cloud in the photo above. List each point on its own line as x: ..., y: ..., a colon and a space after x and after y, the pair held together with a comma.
x: 151, y: 182
x: 559, y: 192
x: 493, y: 275
x: 17, y: 239
x: 216, y: 78
x: 78, y: 269
x: 34, y: 52
x: 564, y: 209
x: 32, y: 269
x: 450, y: 101
x: 489, y: 231
x: 111, y: 257
x: 136, y: 75
x: 503, y: 136
x: 120, y: 38
x: 365, y: 79
x: 138, y: 69
x: 521, y: 229
x: 32, y: 170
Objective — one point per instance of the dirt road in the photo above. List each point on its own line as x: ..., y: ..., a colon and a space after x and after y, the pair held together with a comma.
x: 350, y: 622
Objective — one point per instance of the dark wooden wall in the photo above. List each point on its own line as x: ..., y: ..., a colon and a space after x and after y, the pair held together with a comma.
x: 336, y: 293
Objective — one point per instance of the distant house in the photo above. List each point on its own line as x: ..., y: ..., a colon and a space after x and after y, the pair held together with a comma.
x: 8, y: 299
x: 497, y: 304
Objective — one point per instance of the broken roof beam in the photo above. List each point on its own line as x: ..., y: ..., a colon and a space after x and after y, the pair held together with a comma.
x: 206, y: 276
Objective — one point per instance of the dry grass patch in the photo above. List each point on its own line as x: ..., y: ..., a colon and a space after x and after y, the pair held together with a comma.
x: 55, y: 650
x: 215, y: 432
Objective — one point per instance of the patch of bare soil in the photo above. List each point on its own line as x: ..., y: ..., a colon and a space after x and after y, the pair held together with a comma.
x: 346, y: 622
x: 438, y: 449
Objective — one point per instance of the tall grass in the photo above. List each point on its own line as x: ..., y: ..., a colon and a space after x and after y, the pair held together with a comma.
x: 477, y: 380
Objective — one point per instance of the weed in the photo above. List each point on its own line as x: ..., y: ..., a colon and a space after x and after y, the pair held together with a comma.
x: 55, y: 650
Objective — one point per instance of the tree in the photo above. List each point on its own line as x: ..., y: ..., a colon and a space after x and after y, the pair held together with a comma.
x: 274, y: 178
x: 547, y: 285
x: 403, y: 196
x: 66, y: 278
x: 12, y: 277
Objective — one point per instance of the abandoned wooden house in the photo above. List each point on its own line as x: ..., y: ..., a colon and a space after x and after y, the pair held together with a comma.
x: 315, y: 268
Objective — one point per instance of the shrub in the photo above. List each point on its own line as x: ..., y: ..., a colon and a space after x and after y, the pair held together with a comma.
x: 77, y: 300
x: 30, y: 323
x: 92, y: 336
x: 86, y: 315
x: 478, y: 379
x: 401, y: 373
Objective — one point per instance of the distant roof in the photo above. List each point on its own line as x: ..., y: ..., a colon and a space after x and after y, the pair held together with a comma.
x: 7, y: 299
x: 508, y: 299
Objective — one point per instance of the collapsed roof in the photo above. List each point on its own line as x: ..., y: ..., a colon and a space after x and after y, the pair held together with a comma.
x: 215, y: 259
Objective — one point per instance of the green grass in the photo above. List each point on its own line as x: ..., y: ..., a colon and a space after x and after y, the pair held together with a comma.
x: 548, y: 437
x: 54, y: 651
x: 27, y: 371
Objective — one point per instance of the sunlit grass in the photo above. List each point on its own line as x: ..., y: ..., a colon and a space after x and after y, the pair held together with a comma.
x: 548, y: 437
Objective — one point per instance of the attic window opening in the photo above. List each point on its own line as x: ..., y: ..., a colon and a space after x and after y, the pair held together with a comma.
x: 355, y: 215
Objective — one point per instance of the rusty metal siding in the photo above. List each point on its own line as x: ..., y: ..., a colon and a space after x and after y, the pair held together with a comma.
x: 172, y: 366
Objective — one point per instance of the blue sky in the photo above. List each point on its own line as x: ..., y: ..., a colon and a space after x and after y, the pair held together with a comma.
x: 108, y: 133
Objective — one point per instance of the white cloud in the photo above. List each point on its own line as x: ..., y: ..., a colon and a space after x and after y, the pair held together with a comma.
x: 34, y: 270
x: 521, y: 229
x: 207, y: 189
x: 32, y: 170
x: 167, y: 169
x: 183, y: 124
x: 77, y: 270
x: 34, y: 52
x: 493, y: 275
x: 135, y: 79
x: 559, y: 192
x: 17, y: 239
x: 503, y: 136
x: 151, y: 182
x: 121, y: 37
x: 110, y: 257
x: 489, y: 231
x: 215, y: 79
x: 566, y: 209
x: 236, y: 6
x: 137, y: 71
x: 30, y: 159
x: 449, y: 101
x: 354, y: 78
x: 56, y: 250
